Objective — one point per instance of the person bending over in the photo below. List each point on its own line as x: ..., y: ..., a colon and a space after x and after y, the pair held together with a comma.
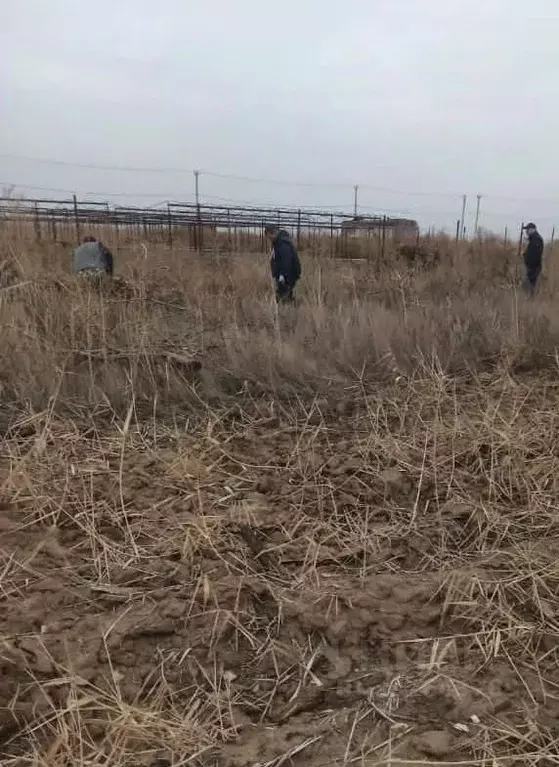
x: 285, y: 263
x: 93, y: 259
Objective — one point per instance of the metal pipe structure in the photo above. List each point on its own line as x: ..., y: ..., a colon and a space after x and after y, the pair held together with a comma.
x: 166, y: 221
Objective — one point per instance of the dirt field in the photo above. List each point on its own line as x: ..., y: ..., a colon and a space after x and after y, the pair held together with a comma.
x: 335, y: 544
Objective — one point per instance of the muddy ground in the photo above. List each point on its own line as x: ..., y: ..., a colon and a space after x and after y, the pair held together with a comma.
x: 365, y: 581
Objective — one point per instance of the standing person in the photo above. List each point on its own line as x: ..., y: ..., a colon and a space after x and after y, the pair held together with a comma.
x: 285, y: 264
x: 533, y: 258
x: 93, y: 259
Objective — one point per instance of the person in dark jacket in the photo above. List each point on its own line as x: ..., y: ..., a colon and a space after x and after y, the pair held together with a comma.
x: 285, y: 264
x: 92, y: 258
x: 533, y: 256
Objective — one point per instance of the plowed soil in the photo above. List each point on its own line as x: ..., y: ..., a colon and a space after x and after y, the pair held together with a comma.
x: 366, y: 581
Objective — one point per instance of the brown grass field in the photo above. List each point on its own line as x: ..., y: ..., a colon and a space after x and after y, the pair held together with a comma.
x: 334, y: 544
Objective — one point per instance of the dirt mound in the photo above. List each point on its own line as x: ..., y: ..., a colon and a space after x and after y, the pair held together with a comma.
x: 255, y: 589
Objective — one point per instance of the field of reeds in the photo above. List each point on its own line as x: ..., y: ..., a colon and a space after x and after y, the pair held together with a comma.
x: 234, y: 534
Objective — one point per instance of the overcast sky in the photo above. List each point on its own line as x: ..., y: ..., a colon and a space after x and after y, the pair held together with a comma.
x: 417, y: 101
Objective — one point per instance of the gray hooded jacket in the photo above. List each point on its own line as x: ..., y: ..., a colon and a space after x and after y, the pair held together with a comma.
x: 91, y: 255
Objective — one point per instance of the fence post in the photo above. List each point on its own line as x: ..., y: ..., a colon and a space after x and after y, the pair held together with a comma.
x: 108, y: 219
x: 117, y: 227
x: 383, y: 244
x: 457, y: 230
x: 37, y: 223
x: 169, y: 226
x: 506, y: 237
x: 76, y: 218
x: 199, y: 229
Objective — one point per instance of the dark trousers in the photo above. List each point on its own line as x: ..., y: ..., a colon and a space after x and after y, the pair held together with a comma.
x: 284, y: 292
x: 533, y: 272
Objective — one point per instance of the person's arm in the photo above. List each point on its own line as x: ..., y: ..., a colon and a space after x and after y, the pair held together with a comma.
x: 284, y: 260
x: 533, y: 252
x: 109, y: 261
x: 274, y: 266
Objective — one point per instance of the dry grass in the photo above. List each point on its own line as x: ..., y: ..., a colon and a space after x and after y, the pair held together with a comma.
x: 336, y: 544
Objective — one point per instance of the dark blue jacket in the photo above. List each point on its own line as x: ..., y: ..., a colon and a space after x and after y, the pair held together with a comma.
x: 534, y: 252
x: 285, y: 259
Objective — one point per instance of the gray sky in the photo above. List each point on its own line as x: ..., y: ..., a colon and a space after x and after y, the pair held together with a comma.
x: 438, y: 97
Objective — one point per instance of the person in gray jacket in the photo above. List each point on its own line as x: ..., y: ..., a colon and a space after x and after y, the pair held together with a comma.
x: 92, y: 258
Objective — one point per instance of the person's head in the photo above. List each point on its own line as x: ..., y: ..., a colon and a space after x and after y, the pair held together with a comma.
x: 530, y: 229
x: 271, y: 231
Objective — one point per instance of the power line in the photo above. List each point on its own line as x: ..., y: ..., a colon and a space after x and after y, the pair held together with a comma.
x: 166, y: 197
x: 214, y: 174
x: 326, y: 184
x: 342, y: 206
x: 138, y: 169
x: 91, y: 166
x: 551, y: 200
x: 328, y: 208
x: 276, y: 182
x: 190, y: 171
x: 59, y: 190
x: 255, y: 180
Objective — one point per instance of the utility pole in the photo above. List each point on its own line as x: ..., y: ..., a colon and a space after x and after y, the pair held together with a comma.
x: 463, y: 215
x: 355, y: 191
x: 476, y: 227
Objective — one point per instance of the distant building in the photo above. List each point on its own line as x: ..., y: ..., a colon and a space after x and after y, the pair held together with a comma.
x: 368, y: 226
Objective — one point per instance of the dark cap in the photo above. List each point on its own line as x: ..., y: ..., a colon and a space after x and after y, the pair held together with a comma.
x: 271, y: 228
x: 531, y: 225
